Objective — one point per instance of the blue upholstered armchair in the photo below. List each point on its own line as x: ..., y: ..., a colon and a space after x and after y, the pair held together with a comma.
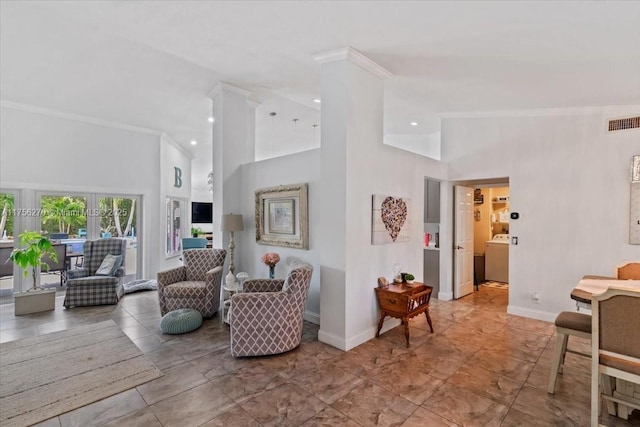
x: 84, y: 287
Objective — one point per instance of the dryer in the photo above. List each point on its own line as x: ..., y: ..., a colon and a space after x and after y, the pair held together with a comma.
x: 496, y: 262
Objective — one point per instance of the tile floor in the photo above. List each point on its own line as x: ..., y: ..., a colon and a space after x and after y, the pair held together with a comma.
x: 482, y: 367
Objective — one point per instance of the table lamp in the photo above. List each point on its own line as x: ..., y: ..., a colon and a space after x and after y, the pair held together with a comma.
x: 232, y: 223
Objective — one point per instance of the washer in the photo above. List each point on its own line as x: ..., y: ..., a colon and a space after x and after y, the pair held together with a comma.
x: 497, y: 259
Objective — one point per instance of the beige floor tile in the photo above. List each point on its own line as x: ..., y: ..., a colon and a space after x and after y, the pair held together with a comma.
x: 324, y: 380
x: 329, y: 417
x: 176, y: 380
x: 509, y: 367
x: 52, y: 422
x: 105, y: 410
x: 473, y: 363
x: 286, y: 405
x: 248, y: 383
x: 465, y: 407
x: 552, y: 409
x: 423, y: 418
x: 18, y: 334
x: 572, y: 383
x: 143, y: 418
x: 371, y: 405
x: 407, y: 380
x: 486, y: 383
x: 235, y: 416
x: 165, y: 357
x: 193, y: 407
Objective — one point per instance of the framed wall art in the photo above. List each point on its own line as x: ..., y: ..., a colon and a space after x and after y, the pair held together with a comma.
x: 390, y: 221
x: 282, y: 216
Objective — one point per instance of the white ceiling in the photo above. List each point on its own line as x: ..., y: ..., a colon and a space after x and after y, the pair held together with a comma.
x: 151, y: 64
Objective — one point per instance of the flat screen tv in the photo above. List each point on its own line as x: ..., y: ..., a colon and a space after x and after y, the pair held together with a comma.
x: 201, y: 212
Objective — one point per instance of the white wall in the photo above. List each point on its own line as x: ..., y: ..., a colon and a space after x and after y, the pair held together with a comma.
x: 394, y: 172
x: 424, y: 144
x: 45, y: 152
x: 569, y: 181
x: 292, y: 169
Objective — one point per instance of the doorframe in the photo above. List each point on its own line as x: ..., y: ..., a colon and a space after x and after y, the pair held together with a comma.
x: 447, y: 199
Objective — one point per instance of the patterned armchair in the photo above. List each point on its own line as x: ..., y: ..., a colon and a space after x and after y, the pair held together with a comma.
x: 266, y: 318
x: 84, y: 287
x: 194, y: 285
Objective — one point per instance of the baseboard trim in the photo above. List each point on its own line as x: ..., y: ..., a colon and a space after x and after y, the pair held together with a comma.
x: 445, y: 296
x: 354, y: 341
x: 332, y: 340
x: 312, y: 317
x: 531, y: 313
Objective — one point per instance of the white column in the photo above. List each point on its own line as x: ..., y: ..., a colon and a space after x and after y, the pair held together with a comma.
x: 232, y: 119
x: 352, y: 102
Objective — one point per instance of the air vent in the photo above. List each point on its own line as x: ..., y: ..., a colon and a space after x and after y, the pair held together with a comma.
x: 624, y: 124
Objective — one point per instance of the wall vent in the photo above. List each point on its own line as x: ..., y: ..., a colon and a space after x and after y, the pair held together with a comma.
x: 624, y: 124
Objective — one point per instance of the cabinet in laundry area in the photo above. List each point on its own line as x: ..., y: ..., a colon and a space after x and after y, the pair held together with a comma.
x: 432, y: 270
x: 431, y: 253
x: 431, y: 201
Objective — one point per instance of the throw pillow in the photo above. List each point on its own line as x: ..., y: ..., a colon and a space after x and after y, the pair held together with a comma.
x: 109, y: 265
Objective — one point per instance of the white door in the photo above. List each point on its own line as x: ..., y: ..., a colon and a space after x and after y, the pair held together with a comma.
x: 463, y: 242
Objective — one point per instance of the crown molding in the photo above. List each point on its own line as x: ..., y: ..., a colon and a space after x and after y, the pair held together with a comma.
x: 568, y: 111
x: 166, y: 138
x: 77, y: 117
x: 222, y: 86
x: 253, y: 104
x: 350, y: 54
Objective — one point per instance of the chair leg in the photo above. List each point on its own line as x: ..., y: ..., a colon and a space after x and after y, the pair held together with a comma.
x: 558, y: 361
x: 426, y: 313
x: 382, y: 316
x: 607, y: 389
x: 406, y: 329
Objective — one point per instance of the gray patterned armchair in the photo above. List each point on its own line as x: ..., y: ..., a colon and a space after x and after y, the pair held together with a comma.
x: 266, y: 318
x: 84, y: 287
x: 195, y: 285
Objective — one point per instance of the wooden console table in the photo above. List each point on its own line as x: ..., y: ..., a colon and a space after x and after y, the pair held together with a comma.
x: 404, y: 301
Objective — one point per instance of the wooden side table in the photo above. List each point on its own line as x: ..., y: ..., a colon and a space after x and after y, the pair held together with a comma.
x: 404, y: 301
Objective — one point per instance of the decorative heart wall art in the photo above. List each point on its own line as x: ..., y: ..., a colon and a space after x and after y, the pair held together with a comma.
x: 389, y: 219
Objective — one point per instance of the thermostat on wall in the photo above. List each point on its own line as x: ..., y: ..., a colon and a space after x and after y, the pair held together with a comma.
x: 515, y: 215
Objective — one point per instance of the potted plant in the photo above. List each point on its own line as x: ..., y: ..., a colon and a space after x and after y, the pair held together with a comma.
x: 34, y: 247
x: 195, y: 232
x: 29, y: 257
x: 409, y: 278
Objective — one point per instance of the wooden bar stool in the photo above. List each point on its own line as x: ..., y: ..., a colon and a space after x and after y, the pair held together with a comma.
x: 567, y: 323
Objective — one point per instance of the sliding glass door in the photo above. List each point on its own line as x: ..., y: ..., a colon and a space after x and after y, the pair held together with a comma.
x: 118, y: 217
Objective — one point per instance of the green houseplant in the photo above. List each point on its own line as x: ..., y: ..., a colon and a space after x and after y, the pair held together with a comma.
x: 195, y: 232
x: 29, y: 257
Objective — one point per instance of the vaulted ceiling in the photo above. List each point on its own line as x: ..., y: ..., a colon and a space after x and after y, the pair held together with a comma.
x: 151, y: 64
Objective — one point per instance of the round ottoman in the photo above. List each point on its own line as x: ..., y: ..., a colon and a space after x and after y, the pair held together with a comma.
x: 181, y: 321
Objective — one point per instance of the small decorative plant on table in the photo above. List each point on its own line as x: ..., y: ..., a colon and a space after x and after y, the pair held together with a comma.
x: 35, y: 247
x: 271, y: 259
x: 409, y: 278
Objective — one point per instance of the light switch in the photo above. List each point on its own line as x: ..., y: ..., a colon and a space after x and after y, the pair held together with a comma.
x: 514, y: 240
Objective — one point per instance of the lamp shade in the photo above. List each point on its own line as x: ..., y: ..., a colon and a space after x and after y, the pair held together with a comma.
x: 231, y: 222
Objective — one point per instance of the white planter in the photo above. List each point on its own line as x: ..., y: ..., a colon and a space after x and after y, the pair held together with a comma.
x: 35, y: 301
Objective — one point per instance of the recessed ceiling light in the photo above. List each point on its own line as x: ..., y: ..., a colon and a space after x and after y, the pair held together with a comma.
x: 414, y: 123
x: 194, y: 142
x: 317, y: 101
x: 211, y: 120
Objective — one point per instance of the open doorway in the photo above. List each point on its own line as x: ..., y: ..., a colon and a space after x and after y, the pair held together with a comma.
x: 491, y: 236
x: 481, y: 236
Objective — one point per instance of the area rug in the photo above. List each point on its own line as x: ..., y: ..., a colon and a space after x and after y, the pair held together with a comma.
x: 498, y: 285
x: 45, y: 376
